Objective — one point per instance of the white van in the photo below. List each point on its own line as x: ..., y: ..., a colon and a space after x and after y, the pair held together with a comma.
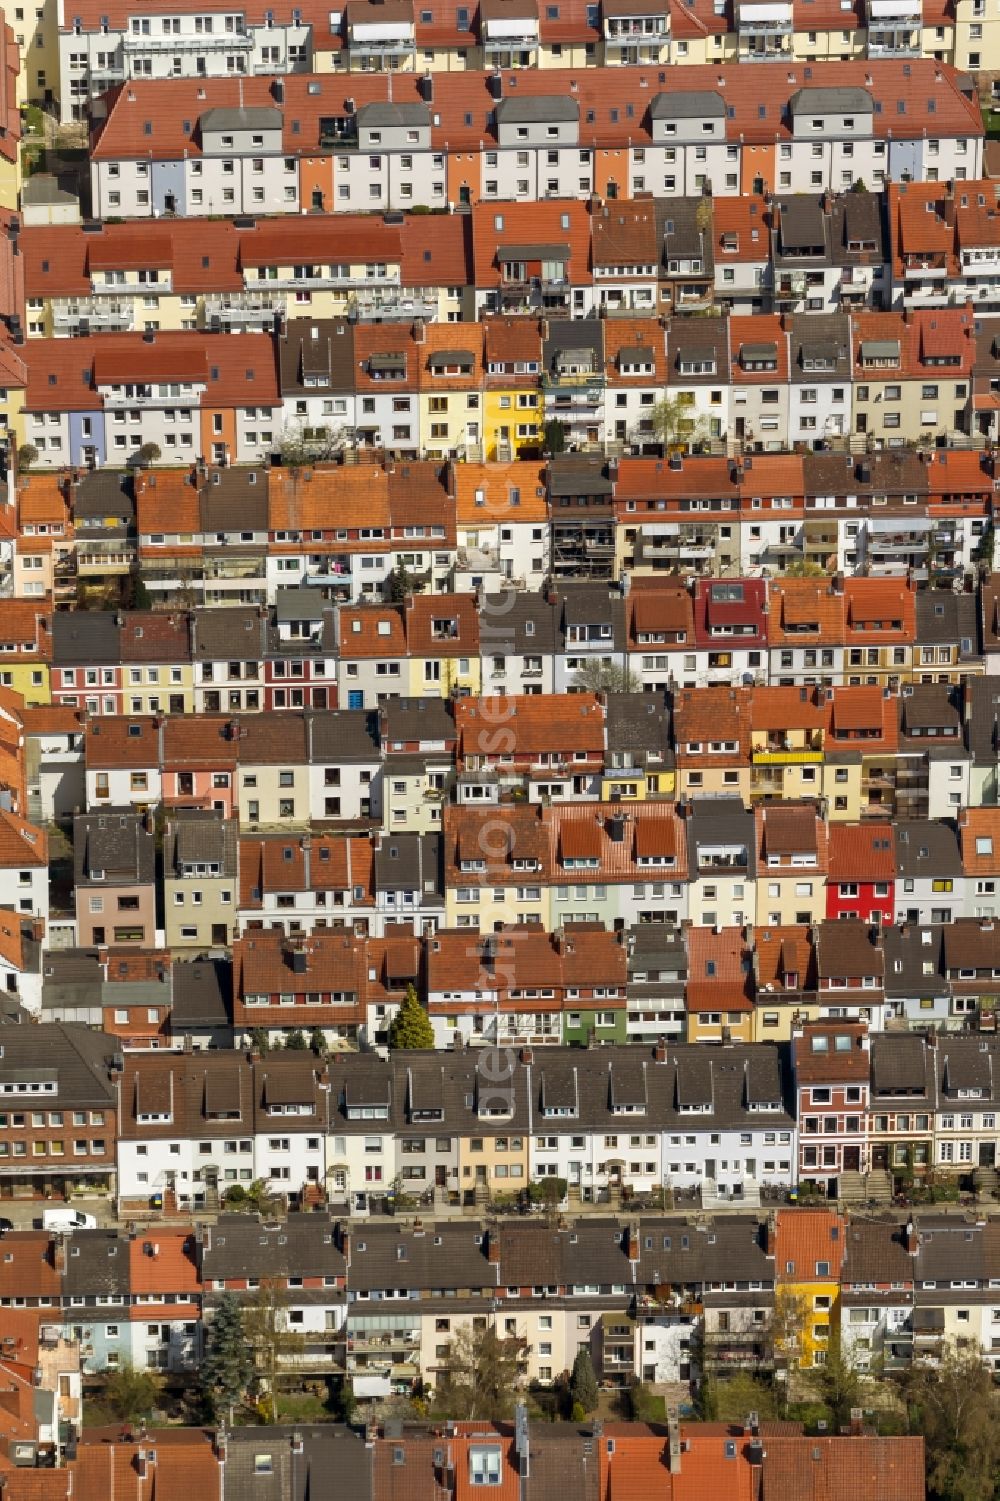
x: 67, y: 1219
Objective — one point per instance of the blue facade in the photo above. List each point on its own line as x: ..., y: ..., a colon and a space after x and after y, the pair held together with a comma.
x: 166, y: 192
x: 86, y: 433
x: 906, y: 160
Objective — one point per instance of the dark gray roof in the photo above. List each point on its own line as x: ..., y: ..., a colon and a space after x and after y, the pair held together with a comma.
x: 579, y: 474
x: 694, y: 104
x: 199, y: 836
x: 831, y: 101
x: 908, y: 948
x: 536, y: 109
x: 298, y: 604
x: 720, y: 820
x: 927, y: 847
x: 929, y: 714
x: 91, y: 638
x: 321, y: 346
x: 638, y: 722
x: 97, y: 1265
x: 982, y: 701
x: 303, y: 1464
x: 260, y: 117
x: 201, y: 994
x: 945, y: 617
x: 74, y: 1056
x: 103, y: 492
x: 876, y: 1252
x: 411, y: 862
x: 239, y: 1245
x: 234, y: 500
x: 405, y: 720
x: 901, y: 1066
x: 116, y: 842
x: 237, y: 633
x: 388, y: 115
x: 342, y: 735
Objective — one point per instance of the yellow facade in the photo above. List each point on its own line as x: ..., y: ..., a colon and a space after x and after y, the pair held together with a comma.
x: 151, y: 690
x: 842, y: 789
x: 497, y: 905
x: 443, y: 675
x: 449, y: 421
x: 30, y: 679
x: 504, y: 412
x: 479, y: 1158
x: 738, y: 1024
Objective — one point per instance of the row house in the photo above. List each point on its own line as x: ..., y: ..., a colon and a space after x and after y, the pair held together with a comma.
x: 822, y: 396
x: 92, y: 403
x: 233, y: 146
x: 478, y: 1454
x: 74, y: 58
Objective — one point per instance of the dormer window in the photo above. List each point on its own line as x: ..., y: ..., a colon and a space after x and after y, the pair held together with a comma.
x: 484, y: 1464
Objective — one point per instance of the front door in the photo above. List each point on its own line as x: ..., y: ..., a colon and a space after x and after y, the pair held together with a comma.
x: 440, y: 1177
x: 852, y: 1159
x: 355, y: 698
x: 987, y: 1154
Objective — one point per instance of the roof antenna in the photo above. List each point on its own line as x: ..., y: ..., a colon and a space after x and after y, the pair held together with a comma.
x: 241, y: 92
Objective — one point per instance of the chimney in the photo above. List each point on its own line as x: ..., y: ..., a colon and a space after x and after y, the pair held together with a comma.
x: 493, y: 1247
x: 770, y: 1234
x: 345, y: 1243
x: 526, y: 1055
x: 633, y: 1242
x: 220, y: 1445
x: 674, y: 1443
x: 857, y: 1421
x: 297, y: 1444
x: 912, y: 1241
x: 660, y: 1053
x: 948, y: 208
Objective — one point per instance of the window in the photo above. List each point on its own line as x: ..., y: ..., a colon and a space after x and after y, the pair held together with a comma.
x: 484, y: 1465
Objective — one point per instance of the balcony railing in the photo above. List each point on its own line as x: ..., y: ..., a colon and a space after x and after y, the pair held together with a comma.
x: 105, y: 315
x: 223, y: 41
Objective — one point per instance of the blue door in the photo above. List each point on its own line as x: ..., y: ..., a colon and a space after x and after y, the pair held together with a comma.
x: 355, y: 698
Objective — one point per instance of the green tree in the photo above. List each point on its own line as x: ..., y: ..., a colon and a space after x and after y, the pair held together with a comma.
x: 411, y: 1026
x: 295, y: 1040
x: 141, y: 597
x: 317, y: 1041
x: 274, y: 1342
x: 954, y: 1407
x: 259, y: 1041
x: 676, y: 423
x: 227, y: 1369
x: 606, y: 677
x: 150, y: 453
x: 479, y: 1376
x: 403, y: 583
x: 255, y: 1198
x: 554, y: 437
x: 27, y: 455
x: 130, y: 1393
x: 583, y: 1382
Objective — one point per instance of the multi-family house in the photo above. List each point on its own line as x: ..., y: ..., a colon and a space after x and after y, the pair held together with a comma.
x: 200, y: 879
x: 792, y: 860
x: 861, y: 872
x: 809, y: 1250
x: 830, y: 1062
x: 114, y: 875
x: 930, y: 881
x: 59, y: 1121
x: 299, y: 882
x: 712, y: 737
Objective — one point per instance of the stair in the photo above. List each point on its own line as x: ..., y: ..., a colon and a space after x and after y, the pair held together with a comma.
x: 313, y: 1196
x: 852, y: 1188
x: 169, y: 1201
x: 987, y: 1181
x: 878, y: 1185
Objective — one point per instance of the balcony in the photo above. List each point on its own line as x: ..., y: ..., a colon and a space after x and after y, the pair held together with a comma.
x: 242, y: 308
x: 312, y: 278
x: 224, y: 41
x: 404, y: 307
x: 164, y: 283
x: 90, y: 315
x: 787, y: 756
x: 904, y: 42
